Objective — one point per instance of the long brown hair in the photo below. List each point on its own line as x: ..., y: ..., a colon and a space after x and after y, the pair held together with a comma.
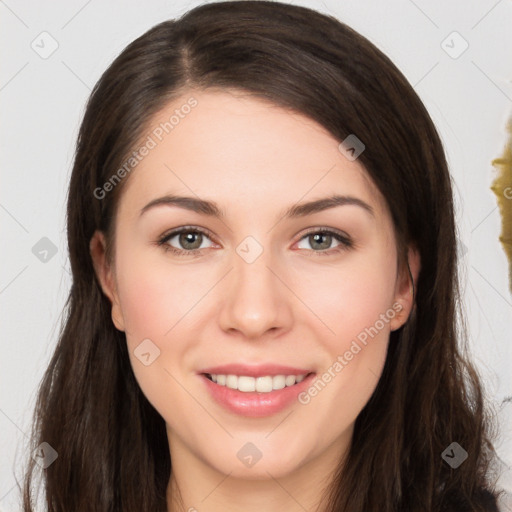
x: 112, y: 447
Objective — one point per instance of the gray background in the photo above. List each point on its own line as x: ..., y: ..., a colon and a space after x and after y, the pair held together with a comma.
x: 468, y: 94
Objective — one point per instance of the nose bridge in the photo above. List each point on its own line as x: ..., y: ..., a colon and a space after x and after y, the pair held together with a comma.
x: 255, y: 299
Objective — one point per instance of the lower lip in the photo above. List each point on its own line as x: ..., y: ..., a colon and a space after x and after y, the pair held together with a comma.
x: 254, y: 404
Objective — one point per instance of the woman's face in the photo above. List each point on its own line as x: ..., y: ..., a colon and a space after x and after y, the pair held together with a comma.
x: 266, y: 286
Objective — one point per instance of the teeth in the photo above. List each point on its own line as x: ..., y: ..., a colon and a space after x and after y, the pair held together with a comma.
x: 261, y: 384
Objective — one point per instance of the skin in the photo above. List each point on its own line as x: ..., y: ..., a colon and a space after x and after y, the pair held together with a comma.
x: 291, y: 305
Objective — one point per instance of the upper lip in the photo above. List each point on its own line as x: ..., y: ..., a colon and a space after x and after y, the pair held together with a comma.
x: 259, y: 370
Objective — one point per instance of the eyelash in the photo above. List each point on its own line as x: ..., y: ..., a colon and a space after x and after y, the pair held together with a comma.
x: 345, y: 241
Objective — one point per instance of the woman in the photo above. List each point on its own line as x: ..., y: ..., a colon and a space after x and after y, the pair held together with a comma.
x: 255, y: 369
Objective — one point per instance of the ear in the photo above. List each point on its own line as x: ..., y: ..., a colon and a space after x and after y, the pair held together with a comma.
x: 106, y: 277
x: 404, y: 299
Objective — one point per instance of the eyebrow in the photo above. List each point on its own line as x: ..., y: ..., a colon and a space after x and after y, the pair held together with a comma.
x: 211, y: 209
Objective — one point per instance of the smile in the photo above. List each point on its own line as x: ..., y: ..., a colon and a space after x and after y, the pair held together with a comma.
x: 255, y: 396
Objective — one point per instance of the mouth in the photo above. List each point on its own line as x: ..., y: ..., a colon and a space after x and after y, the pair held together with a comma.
x: 268, y: 391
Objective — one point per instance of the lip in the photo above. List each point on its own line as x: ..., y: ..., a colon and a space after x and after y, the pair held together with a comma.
x: 255, y: 404
x: 260, y: 370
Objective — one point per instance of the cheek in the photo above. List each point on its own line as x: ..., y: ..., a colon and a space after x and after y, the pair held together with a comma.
x: 157, y: 302
x: 157, y: 297
x: 355, y: 302
x: 351, y: 296
x: 354, y: 356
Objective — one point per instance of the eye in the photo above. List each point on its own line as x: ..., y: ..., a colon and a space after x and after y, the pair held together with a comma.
x: 323, y: 238
x: 190, y: 238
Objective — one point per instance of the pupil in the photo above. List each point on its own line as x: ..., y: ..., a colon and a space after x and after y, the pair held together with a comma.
x: 186, y: 239
x: 318, y: 236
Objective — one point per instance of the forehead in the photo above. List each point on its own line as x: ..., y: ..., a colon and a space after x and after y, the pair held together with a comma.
x: 241, y: 150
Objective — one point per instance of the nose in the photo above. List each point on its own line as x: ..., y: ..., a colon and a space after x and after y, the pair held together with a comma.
x: 255, y: 298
